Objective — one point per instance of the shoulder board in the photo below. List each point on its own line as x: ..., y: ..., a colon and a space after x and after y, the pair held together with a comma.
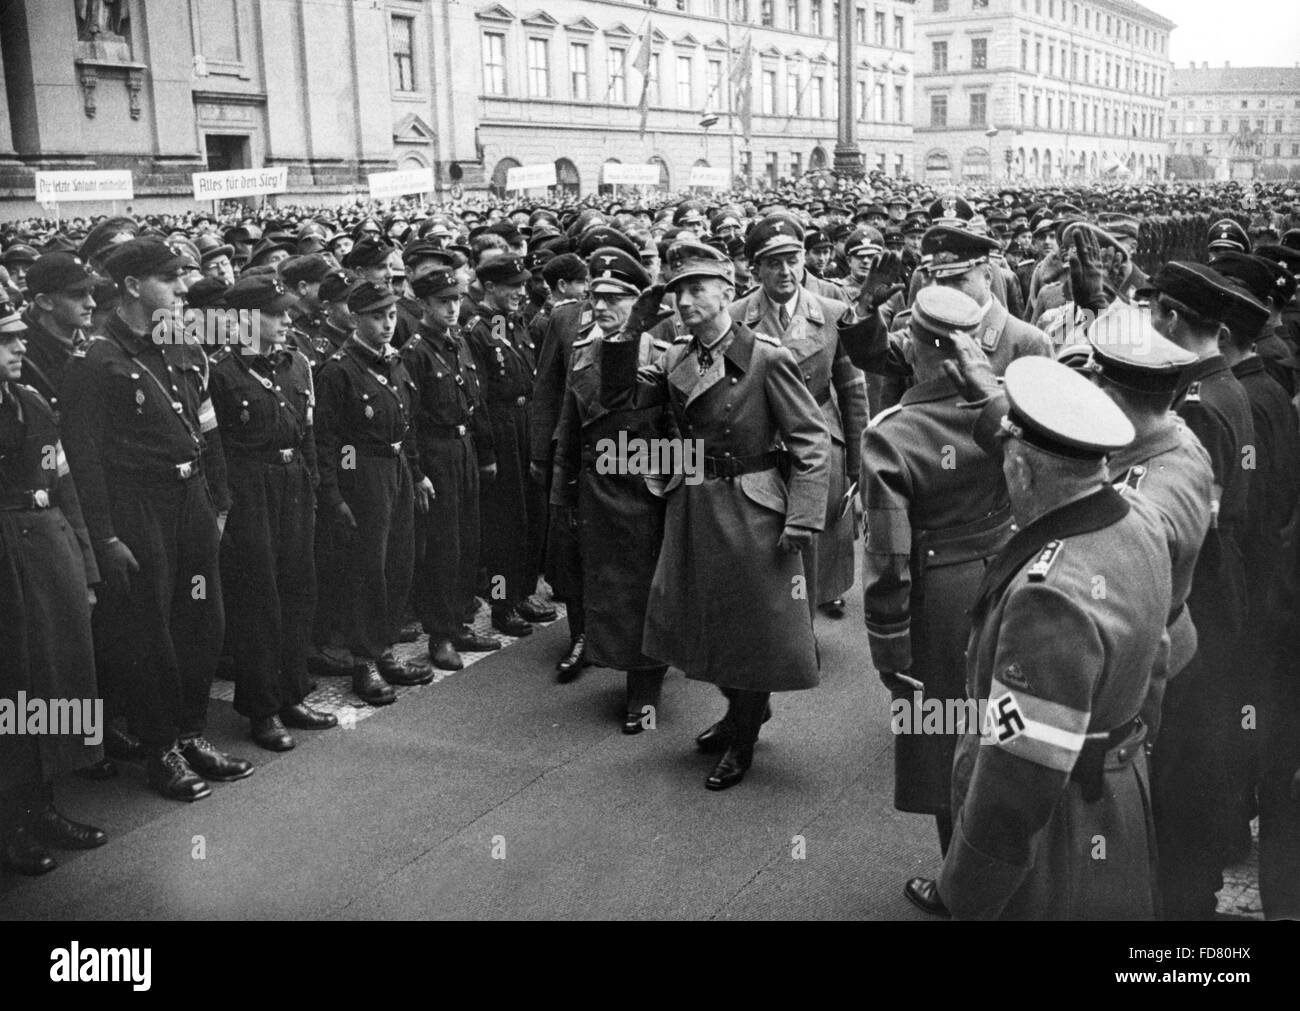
x: 766, y: 339
x: 1046, y: 559
x: 415, y: 340
x: 337, y: 356
x: 294, y: 352
x: 220, y: 355
x: 682, y: 339
x: 886, y: 413
x: 583, y: 343
x: 587, y: 317
x: 563, y: 301
x: 1193, y: 393
x: 28, y: 389
x: 1132, y: 480
x: 472, y: 322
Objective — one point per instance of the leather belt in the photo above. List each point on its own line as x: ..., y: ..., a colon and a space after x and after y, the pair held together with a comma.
x: 730, y: 467
x: 179, y: 472
x: 508, y: 402
x: 12, y: 501
x: 284, y: 457
x: 384, y: 451
x: 1091, y: 763
x: 445, y: 431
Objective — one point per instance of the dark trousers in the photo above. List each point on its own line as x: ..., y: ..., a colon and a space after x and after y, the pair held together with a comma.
x: 378, y: 555
x: 268, y: 574
x: 447, y: 537
x: 644, y: 687
x: 508, y: 512
x: 745, y: 712
x: 168, y: 628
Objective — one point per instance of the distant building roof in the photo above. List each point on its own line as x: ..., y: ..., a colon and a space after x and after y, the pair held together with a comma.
x: 1138, y: 11
x: 1285, y: 80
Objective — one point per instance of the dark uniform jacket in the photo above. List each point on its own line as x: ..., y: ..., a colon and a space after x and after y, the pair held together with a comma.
x: 449, y: 397
x: 554, y: 340
x: 140, y: 412
x: 1064, y: 671
x: 46, y: 361
x: 265, y: 405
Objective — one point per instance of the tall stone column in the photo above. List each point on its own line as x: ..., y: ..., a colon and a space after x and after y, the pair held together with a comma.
x: 848, y: 157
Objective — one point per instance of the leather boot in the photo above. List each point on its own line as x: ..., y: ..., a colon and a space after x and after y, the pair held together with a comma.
x: 22, y: 853
x: 53, y: 829
x: 571, y: 664
x: 444, y: 656
x: 748, y: 710
x: 643, y: 689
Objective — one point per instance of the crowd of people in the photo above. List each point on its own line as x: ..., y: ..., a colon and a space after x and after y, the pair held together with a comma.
x: 1060, y: 421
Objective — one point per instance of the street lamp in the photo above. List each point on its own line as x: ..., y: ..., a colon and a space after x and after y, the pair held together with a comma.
x: 707, y: 120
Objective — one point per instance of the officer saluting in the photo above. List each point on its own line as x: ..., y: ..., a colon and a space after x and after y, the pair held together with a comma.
x: 142, y: 440
x: 264, y: 401
x: 364, y: 405
x: 1064, y: 670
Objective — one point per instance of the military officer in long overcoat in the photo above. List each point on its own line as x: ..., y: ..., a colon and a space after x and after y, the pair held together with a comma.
x: 808, y: 324
x: 619, y: 517
x: 728, y: 603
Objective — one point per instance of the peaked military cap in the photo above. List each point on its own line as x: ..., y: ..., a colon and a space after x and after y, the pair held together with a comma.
x: 336, y: 285
x: 815, y: 238
x: 439, y: 283
x: 1203, y: 290
x: 264, y: 292
x: 689, y: 260
x: 143, y: 257
x: 864, y: 241
x: 502, y: 270
x: 1226, y: 234
x: 615, y: 272
x: 1127, y: 351
x: 773, y: 235
x: 951, y: 251
x: 939, y: 312
x: 1057, y: 411
x: 950, y: 209
x: 369, y: 251
x: 60, y: 272
x: 370, y: 297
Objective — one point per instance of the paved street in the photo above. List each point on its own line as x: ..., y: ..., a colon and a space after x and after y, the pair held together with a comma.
x: 398, y: 814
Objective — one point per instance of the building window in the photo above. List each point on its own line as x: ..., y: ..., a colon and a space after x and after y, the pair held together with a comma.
x: 1277, y: 126
x: 860, y: 25
x: 979, y: 4
x: 494, y: 63
x: 815, y: 25
x: 1038, y: 57
x: 403, y: 42
x: 792, y: 15
x: 740, y: 10
x: 1295, y: 150
x: 1051, y: 61
x: 862, y: 101
x: 1037, y: 103
x: 716, y: 9
x: 713, y: 78
x: 817, y: 97
x: 796, y: 164
x: 900, y: 114
x: 1024, y: 54
x: 939, y: 110
x: 616, y: 71
x: 773, y: 161
x: 941, y: 6
x: 939, y: 56
x: 898, y: 166
x: 879, y: 103
x: 979, y: 54
x: 684, y: 100
x: 655, y: 77
x: 579, y: 81
x: 1223, y: 126
x: 769, y: 93
x: 765, y: 13
x: 539, y: 68
x: 979, y: 110
x: 793, y: 89
x: 1205, y: 126
x: 878, y: 24
x: 898, y: 31
x: 681, y: 5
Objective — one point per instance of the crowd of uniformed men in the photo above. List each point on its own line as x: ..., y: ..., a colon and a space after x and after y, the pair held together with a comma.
x: 270, y: 445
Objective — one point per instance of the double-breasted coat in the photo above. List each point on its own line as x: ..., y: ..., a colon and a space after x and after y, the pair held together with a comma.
x: 813, y: 337
x: 620, y: 518
x: 727, y: 605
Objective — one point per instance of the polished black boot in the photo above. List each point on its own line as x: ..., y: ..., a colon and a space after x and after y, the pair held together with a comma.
x: 53, y: 829
x: 714, y: 741
x: 22, y: 853
x: 643, y: 690
x: 571, y: 664
x: 748, y: 712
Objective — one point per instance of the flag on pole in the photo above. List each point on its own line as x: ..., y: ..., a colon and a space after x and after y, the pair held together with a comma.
x: 743, y: 79
x: 642, y: 64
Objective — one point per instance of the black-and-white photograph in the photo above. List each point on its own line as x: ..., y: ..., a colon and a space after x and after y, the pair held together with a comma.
x: 650, y: 460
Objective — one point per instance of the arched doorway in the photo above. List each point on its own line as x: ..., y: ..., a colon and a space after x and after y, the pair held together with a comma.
x: 603, y: 188
x: 663, y: 171
x: 818, y: 160
x: 1020, y: 162
x: 567, y: 181
x: 1033, y: 163
x: 938, y: 167
x: 498, y: 184
x: 1092, y: 164
x: 1047, y: 164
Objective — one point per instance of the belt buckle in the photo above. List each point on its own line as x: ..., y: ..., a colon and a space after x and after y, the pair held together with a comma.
x: 396, y: 448
x: 460, y: 429
x: 286, y: 456
x: 41, y: 498
x: 184, y: 471
x: 520, y: 401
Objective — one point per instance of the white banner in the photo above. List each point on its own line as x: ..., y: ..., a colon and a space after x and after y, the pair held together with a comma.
x: 631, y: 175
x: 530, y: 177
x: 387, y: 185
x: 710, y: 178
x: 67, y: 187
x: 240, y: 183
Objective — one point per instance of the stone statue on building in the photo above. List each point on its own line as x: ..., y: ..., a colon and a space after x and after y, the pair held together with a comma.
x: 102, y: 20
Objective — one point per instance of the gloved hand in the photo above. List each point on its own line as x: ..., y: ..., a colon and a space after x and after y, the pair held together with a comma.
x: 116, y: 566
x: 795, y: 540
x: 970, y: 371
x: 646, y: 312
x: 884, y: 279
x: 1086, y: 271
